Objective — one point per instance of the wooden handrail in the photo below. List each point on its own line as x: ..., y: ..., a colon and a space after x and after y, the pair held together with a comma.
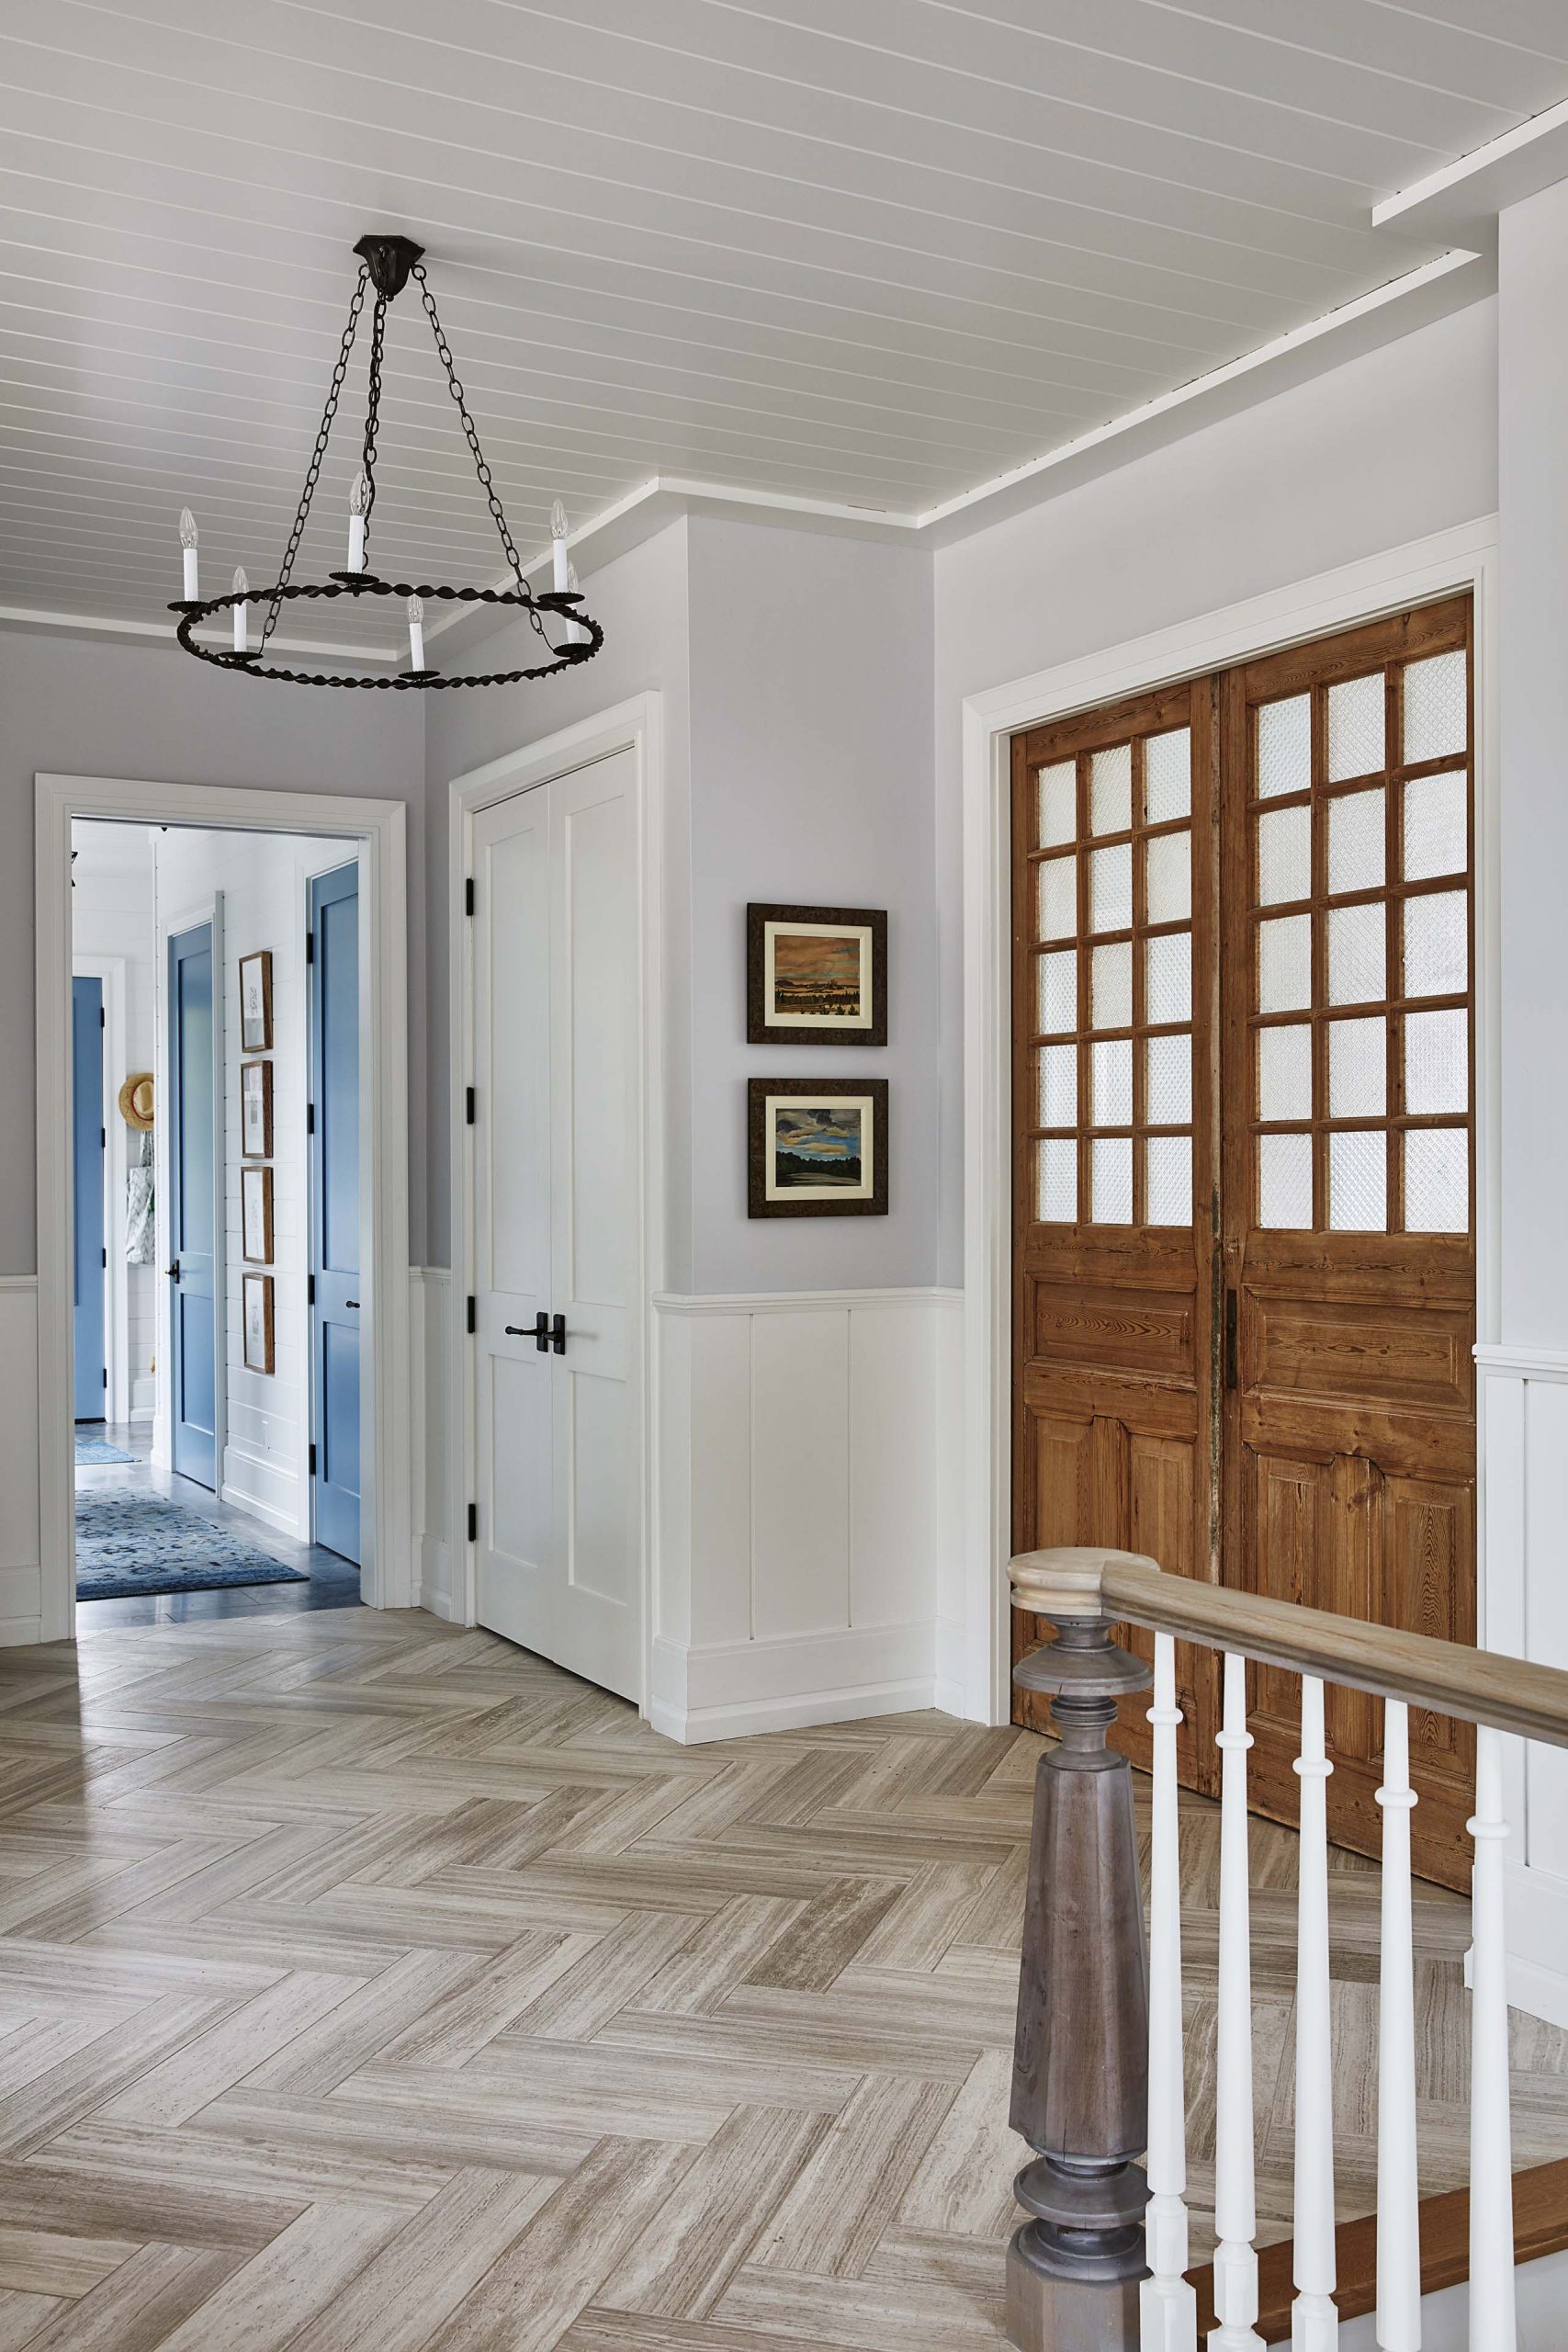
x: 1478, y: 1686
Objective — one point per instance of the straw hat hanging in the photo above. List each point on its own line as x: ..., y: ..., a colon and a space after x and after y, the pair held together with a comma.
x: 136, y: 1101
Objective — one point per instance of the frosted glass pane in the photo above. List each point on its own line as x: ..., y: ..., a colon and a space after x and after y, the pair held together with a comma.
x: 1168, y: 776
x: 1284, y: 1182
x: 1437, y: 1062
x: 1435, y: 825
x: 1110, y: 888
x: 1355, y: 727
x: 1112, y: 1076
x: 1284, y: 963
x: 1167, y: 1173
x: 1436, y: 954
x: 1111, y: 986
x: 1058, y: 989
x: 1357, y: 1068
x: 1357, y: 960
x: 1169, y: 877
x: 1284, y: 855
x: 1167, y: 1082
x: 1285, y: 746
x: 1057, y: 798
x: 1110, y: 790
x: 1358, y: 846
x: 1058, y: 898
x: 1112, y: 1177
x: 1357, y: 1182
x: 1057, y: 1183
x: 1435, y: 714
x: 1168, y: 979
x: 1059, y: 1086
x: 1436, y: 1180
x: 1284, y: 1073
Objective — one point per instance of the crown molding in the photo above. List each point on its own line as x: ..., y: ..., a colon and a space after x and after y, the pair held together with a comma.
x: 1459, y: 203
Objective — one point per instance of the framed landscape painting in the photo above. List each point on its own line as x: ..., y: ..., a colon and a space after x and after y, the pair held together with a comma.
x: 818, y: 973
x: 816, y: 1147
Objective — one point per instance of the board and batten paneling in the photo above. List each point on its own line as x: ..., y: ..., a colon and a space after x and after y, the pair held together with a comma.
x: 806, y: 1506
x: 21, y: 1576
x: 1524, y: 1430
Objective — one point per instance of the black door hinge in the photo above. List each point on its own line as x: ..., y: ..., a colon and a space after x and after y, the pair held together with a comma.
x: 310, y: 948
x: 106, y: 1376
x: 470, y: 1106
x: 100, y: 1016
x: 103, y: 1137
x: 468, y: 895
x: 473, y: 1522
x: 309, y: 1118
x: 103, y: 1257
x: 312, y: 1460
x: 473, y: 1312
x: 310, y: 1290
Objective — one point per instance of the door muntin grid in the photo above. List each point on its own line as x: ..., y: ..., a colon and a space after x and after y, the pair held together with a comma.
x: 1110, y: 956
x: 1358, y: 823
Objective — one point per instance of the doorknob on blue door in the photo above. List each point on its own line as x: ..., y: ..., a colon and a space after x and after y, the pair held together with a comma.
x: 175, y: 1269
x: 351, y: 1302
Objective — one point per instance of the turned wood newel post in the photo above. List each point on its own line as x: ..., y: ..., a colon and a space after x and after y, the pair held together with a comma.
x: 1081, y: 2062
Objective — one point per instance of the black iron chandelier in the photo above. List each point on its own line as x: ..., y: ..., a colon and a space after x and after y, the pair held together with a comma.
x: 386, y: 264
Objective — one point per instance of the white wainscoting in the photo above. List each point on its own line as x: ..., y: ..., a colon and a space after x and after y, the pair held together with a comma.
x: 806, y: 1545
x: 21, y: 1542
x: 435, y: 1377
x: 1524, y: 1453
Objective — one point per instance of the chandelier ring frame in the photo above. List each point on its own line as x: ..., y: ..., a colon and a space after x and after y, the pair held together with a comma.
x: 563, y: 602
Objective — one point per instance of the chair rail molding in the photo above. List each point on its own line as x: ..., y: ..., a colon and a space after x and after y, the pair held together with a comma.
x: 1462, y: 559
x: 387, y: 1578
x: 807, y: 1560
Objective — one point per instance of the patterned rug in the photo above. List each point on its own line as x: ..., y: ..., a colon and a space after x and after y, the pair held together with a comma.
x: 98, y: 1449
x: 141, y: 1544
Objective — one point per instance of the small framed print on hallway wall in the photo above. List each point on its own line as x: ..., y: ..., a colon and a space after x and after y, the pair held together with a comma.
x: 816, y: 1147
x: 815, y: 972
x: 256, y: 1216
x: 256, y: 1003
x: 255, y: 1110
x: 258, y: 1289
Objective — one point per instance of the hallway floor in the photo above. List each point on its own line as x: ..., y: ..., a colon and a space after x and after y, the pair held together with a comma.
x: 334, y: 1582
x: 366, y: 1980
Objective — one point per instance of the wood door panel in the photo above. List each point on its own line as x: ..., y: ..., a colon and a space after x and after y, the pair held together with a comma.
x: 1279, y: 1395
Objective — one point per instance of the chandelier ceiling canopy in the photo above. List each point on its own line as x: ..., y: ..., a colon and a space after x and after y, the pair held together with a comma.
x: 386, y: 264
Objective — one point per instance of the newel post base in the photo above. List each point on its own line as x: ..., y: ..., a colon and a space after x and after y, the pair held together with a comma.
x: 1080, y: 2061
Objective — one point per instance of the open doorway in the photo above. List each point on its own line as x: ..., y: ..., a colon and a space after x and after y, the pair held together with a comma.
x: 218, y: 1276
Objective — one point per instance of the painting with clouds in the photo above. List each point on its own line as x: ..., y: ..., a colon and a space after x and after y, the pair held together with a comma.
x: 818, y: 1148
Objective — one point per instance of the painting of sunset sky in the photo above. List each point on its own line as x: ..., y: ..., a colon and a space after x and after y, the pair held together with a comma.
x: 817, y: 1147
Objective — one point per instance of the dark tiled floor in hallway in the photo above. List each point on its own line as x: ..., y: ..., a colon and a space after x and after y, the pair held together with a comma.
x: 334, y: 1581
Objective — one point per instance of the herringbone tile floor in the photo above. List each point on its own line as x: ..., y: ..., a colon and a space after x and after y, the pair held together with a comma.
x: 366, y: 1983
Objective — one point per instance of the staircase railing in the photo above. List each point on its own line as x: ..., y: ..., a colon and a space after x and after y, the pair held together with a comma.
x: 1097, y: 2077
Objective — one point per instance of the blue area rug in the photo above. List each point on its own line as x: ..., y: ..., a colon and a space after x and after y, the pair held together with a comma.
x: 137, y: 1543
x: 98, y: 1449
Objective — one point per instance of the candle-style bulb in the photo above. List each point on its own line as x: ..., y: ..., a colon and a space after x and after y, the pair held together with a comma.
x: 359, y: 507
x: 416, y: 609
x: 241, y: 611
x: 559, y: 529
x: 188, y: 536
x: 416, y: 632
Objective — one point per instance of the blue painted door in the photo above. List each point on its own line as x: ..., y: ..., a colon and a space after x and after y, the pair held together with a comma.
x: 334, y: 1283
x: 87, y: 1187
x: 193, y: 1203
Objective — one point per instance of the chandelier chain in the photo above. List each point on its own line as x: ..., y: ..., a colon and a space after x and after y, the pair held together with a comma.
x: 373, y: 411
x: 323, y: 435
x: 454, y: 385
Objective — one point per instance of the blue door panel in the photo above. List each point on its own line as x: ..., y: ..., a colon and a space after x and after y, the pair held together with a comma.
x: 193, y: 1271
x: 334, y: 1208
x: 87, y: 1197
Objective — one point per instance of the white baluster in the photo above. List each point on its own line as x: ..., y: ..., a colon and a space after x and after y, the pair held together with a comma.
x: 1167, y: 2305
x: 1236, y: 2205
x: 1492, y: 2325
x: 1399, y: 2238
x: 1315, y: 2323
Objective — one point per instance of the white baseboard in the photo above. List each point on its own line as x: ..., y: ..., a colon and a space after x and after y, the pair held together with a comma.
x: 143, y: 1398
x: 436, y: 1592
x: 267, y: 1491
x: 17, y: 1632
x: 731, y: 1690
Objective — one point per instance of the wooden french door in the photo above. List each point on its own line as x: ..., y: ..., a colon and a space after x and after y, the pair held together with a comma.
x: 1261, y: 1374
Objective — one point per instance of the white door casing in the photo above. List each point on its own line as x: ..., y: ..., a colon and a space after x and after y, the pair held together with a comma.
x: 555, y: 975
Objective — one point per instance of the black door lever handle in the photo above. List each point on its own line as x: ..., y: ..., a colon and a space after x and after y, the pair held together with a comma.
x: 558, y: 1334
x: 538, y: 1330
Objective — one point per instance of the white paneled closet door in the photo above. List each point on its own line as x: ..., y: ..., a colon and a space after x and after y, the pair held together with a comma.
x: 557, y: 1216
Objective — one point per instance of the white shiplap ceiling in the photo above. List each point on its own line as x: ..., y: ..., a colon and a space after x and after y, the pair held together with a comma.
x: 865, y: 253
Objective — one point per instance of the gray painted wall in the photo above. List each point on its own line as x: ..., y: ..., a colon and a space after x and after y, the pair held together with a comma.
x: 1391, y: 446
x: 70, y: 707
